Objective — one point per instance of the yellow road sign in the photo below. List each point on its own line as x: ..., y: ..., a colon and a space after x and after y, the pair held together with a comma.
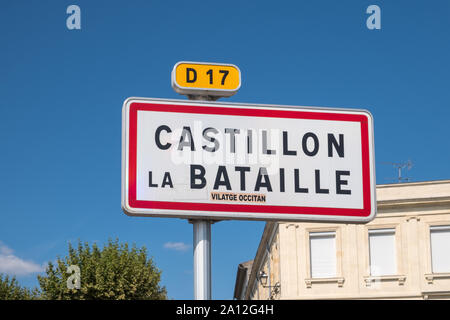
x: 216, y: 79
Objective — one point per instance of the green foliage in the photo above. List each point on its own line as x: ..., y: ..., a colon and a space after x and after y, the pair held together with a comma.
x: 115, y: 272
x: 11, y: 290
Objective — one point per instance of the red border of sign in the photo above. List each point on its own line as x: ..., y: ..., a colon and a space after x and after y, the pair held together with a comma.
x: 247, y: 112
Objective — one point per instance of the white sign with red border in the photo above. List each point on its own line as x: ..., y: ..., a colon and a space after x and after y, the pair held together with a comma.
x: 210, y: 160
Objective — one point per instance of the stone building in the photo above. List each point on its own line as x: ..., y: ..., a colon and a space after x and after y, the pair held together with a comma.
x: 404, y: 253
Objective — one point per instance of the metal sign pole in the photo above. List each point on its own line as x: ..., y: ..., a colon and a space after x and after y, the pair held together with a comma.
x: 189, y: 71
x: 202, y: 245
x: 202, y: 259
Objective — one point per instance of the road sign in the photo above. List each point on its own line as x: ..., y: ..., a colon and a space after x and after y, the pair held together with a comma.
x: 209, y: 160
x: 200, y: 78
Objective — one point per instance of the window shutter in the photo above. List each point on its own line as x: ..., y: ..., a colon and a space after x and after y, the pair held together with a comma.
x: 440, y: 249
x: 323, y: 254
x: 382, y: 252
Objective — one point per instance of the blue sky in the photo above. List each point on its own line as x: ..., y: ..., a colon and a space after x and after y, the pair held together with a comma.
x: 62, y: 92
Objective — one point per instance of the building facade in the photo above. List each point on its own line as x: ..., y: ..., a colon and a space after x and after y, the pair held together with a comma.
x: 404, y: 253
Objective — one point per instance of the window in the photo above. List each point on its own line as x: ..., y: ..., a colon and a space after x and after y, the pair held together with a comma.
x: 382, y: 252
x: 323, y: 254
x: 440, y: 243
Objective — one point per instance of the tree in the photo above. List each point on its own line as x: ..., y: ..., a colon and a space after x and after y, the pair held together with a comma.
x: 11, y: 290
x: 115, y: 272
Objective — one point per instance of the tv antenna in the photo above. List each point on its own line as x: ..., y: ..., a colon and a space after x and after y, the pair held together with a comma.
x: 400, y: 166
